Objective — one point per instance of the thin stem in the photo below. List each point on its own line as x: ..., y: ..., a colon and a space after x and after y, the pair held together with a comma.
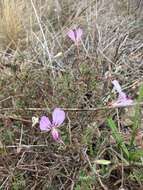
x: 44, y: 38
x: 70, y: 109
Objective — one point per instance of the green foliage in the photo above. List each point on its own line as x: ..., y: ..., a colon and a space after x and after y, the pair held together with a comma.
x: 87, y: 139
x: 7, y: 136
x: 64, y: 86
x: 78, y: 187
x: 89, y: 74
x: 129, y: 152
x: 117, y: 137
x: 137, y: 116
x: 84, y: 181
x: 18, y: 183
x: 136, y: 155
x: 70, y: 88
x: 30, y: 78
x: 137, y: 174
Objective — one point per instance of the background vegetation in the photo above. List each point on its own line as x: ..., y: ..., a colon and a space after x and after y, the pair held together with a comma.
x: 41, y: 69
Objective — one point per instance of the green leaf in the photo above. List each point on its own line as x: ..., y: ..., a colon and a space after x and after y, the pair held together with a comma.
x: 136, y: 155
x: 137, y: 117
x: 118, y: 137
x: 103, y: 162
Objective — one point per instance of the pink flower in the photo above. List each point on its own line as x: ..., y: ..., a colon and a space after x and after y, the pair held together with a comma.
x: 58, y: 117
x: 123, y: 99
x: 75, y: 35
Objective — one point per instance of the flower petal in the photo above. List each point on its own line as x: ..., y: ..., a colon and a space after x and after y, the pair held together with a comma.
x: 122, y: 96
x: 117, y: 86
x: 55, y: 134
x: 45, y: 124
x: 58, y: 117
x: 75, y: 35
x: 122, y: 99
x: 124, y: 103
x: 71, y: 35
x: 79, y: 33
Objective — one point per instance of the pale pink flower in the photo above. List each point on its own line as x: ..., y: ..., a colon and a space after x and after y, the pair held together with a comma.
x: 122, y: 100
x: 75, y: 35
x: 58, y: 117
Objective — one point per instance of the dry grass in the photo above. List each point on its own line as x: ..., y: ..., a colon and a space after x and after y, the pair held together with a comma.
x: 12, y: 31
x: 40, y: 68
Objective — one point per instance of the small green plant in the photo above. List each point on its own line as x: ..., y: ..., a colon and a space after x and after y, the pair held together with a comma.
x: 137, y: 175
x: 118, y: 138
x: 18, y: 183
x: 130, y: 152
x: 137, y: 116
x: 87, y: 139
x: 7, y: 136
x: 85, y: 181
